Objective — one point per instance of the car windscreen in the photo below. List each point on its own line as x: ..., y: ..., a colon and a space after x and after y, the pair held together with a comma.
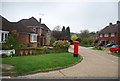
x: 113, y: 46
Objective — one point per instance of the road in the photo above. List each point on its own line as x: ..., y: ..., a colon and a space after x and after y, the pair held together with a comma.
x: 95, y: 64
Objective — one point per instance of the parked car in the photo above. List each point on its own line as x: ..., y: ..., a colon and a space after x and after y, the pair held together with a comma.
x: 115, y: 48
x: 100, y: 44
x: 109, y: 45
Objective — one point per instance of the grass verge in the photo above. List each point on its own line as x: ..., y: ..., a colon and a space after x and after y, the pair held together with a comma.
x: 23, y: 64
x: 97, y: 48
x: 116, y: 54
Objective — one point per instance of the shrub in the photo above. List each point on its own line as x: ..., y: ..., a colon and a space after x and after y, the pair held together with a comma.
x: 53, y: 39
x: 61, y: 44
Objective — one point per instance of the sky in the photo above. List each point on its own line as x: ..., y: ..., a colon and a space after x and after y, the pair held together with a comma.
x: 77, y: 15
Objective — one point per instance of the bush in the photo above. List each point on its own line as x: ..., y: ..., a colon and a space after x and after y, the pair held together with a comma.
x: 53, y: 39
x: 87, y: 41
x: 61, y: 44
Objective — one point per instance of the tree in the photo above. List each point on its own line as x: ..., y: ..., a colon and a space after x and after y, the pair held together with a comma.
x: 12, y: 42
x: 87, y: 41
x: 56, y: 33
x: 53, y: 39
x: 63, y: 32
x: 84, y: 34
x: 74, y: 37
x: 68, y: 32
x: 57, y: 28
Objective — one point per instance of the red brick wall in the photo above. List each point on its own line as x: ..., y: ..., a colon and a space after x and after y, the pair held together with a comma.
x: 115, y: 38
x: 25, y: 39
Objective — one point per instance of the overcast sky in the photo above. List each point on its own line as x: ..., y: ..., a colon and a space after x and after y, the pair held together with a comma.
x: 77, y: 15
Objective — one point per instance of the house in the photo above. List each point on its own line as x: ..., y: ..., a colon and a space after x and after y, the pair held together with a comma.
x: 25, y: 35
x: 41, y: 29
x: 29, y: 31
x: 110, y: 34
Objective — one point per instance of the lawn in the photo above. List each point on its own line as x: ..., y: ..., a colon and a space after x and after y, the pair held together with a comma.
x: 97, y: 48
x: 23, y: 64
x: 116, y: 54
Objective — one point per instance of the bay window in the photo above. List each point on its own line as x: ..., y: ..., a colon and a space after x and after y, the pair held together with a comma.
x: 33, y: 38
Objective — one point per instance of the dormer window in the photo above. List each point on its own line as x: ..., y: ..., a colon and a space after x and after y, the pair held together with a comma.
x: 106, y: 35
x: 112, y: 34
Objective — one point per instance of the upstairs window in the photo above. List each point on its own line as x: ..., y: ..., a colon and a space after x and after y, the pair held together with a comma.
x: 101, y: 35
x: 106, y: 35
x: 112, y: 34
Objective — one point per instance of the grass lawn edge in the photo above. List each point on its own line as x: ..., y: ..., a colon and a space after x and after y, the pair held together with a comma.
x: 40, y: 71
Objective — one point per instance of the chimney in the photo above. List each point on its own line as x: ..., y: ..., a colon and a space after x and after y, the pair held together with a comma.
x: 110, y: 23
x: 118, y: 22
x: 40, y: 20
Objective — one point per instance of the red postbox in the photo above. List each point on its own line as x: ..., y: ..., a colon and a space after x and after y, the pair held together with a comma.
x: 76, y: 48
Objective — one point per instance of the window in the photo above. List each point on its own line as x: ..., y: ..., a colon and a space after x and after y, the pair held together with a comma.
x: 106, y: 35
x: 33, y: 38
x: 112, y: 34
x: 3, y: 35
x: 101, y: 35
x: 118, y: 46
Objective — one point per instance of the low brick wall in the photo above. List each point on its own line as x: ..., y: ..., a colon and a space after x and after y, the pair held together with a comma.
x: 33, y: 51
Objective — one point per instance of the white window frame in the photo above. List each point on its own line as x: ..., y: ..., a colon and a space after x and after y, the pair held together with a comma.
x: 32, y: 37
x: 106, y: 35
x: 101, y: 35
x: 4, y: 38
x: 112, y: 34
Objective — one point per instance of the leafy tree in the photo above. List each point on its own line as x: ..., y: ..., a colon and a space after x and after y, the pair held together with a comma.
x: 87, y: 41
x: 12, y: 42
x: 84, y: 34
x: 74, y: 37
x: 53, y: 39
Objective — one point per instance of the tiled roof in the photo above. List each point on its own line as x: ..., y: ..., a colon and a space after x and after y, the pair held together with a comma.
x: 112, y: 28
x: 19, y: 27
x: 33, y: 22
x: 30, y: 22
x: 45, y: 27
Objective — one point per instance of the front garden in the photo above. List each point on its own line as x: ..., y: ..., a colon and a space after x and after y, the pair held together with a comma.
x: 44, y: 62
x: 44, y: 58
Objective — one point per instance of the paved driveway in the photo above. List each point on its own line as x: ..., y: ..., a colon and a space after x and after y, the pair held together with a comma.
x: 99, y: 64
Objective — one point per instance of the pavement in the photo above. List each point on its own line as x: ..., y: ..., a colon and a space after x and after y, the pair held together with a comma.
x: 95, y: 64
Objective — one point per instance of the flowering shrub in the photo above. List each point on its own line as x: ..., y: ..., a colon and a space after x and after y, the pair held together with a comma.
x: 61, y: 44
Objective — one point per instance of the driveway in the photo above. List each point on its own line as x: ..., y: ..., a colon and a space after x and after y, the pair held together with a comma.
x: 95, y: 64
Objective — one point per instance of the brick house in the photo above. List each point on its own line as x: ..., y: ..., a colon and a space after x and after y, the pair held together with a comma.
x: 25, y: 35
x: 41, y: 29
x: 110, y: 34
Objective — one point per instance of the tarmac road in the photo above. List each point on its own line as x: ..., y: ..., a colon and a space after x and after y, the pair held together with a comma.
x: 95, y: 64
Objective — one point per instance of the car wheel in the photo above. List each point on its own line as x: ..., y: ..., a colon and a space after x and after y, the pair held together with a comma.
x: 116, y: 51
